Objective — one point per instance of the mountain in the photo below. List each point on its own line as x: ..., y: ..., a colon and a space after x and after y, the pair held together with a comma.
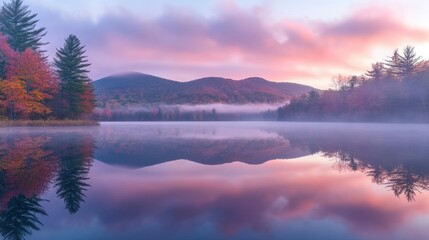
x: 147, y: 152
x: 142, y: 145
x: 138, y: 88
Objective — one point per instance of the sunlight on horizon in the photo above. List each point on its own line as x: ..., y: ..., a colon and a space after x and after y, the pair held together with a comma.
x: 238, y: 39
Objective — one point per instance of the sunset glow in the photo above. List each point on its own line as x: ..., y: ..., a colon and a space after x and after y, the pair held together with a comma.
x: 214, y: 119
x: 277, y: 40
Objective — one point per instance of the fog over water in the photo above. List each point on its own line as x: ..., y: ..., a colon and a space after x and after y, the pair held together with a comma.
x: 220, y: 180
x: 205, y: 112
x: 220, y: 108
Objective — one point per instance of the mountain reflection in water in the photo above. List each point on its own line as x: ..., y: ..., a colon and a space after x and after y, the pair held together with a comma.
x: 138, y: 177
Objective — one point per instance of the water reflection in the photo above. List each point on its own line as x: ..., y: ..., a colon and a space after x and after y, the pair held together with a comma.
x: 136, y: 146
x: 19, y: 218
x: 392, y: 155
x: 395, y: 156
x: 29, y: 162
x: 75, y: 157
x: 137, y: 181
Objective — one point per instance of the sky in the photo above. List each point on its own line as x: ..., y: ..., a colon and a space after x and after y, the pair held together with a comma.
x: 304, y: 41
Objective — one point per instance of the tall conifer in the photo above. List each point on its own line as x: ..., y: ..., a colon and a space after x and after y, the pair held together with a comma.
x: 71, y: 66
x: 18, y: 23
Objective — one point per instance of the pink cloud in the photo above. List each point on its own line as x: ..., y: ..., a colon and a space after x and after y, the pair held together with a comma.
x: 236, y: 43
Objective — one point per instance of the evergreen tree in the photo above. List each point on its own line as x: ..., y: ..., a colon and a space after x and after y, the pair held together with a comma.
x: 75, y: 162
x: 71, y: 184
x: 409, y: 63
x: 406, y: 65
x: 75, y: 85
x: 18, y: 23
x: 392, y: 64
x: 404, y: 181
x: 377, y: 71
x: 71, y: 181
x: 21, y: 217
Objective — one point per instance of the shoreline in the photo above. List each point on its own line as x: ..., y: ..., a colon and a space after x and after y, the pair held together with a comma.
x: 48, y: 123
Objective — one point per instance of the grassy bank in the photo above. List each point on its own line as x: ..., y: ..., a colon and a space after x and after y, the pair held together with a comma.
x: 49, y: 123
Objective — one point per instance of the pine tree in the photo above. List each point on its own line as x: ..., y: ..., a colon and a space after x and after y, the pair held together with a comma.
x: 76, y: 88
x: 409, y: 63
x: 20, y: 217
x: 392, y: 64
x: 377, y: 71
x: 18, y: 23
x: 72, y: 180
x: 404, y: 66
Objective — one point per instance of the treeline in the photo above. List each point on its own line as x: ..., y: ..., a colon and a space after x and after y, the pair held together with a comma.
x: 166, y: 113
x: 31, y: 87
x: 394, y: 90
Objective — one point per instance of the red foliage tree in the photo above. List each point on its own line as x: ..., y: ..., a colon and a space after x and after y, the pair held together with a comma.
x: 29, y: 82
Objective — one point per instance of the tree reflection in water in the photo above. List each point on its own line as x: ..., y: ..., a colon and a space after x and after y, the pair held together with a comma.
x: 71, y: 181
x: 20, y: 217
x: 28, y: 164
x: 401, y: 180
x: 404, y: 181
x: 394, y: 157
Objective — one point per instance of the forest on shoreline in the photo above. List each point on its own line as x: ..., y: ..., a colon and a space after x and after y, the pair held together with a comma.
x: 396, y: 90
x: 32, y: 87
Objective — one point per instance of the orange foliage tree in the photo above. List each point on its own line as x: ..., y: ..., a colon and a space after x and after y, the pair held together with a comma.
x: 29, y: 82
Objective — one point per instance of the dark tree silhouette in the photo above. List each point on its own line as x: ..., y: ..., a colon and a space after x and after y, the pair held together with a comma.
x: 409, y: 63
x: 28, y: 164
x: 71, y: 182
x: 19, y: 24
x: 377, y: 71
x: 76, y: 91
x: 402, y: 95
x: 377, y: 174
x: 392, y: 157
x: 404, y: 181
x: 3, y: 184
x: 20, y: 217
x: 392, y: 63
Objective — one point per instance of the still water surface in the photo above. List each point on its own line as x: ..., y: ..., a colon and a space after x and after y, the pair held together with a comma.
x: 215, y: 181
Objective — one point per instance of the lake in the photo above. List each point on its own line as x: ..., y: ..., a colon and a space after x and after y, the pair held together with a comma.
x: 230, y: 180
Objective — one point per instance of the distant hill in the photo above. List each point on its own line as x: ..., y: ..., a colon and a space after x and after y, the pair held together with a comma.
x: 138, y: 88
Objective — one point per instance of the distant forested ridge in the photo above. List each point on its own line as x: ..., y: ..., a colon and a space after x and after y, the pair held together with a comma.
x: 31, y: 87
x: 142, y: 97
x: 396, y: 89
x: 136, y: 88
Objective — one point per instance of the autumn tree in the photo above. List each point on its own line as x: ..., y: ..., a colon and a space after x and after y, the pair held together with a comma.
x: 27, y: 79
x: 28, y: 84
x: 27, y: 168
x: 6, y: 54
x: 76, y: 91
x: 18, y: 23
